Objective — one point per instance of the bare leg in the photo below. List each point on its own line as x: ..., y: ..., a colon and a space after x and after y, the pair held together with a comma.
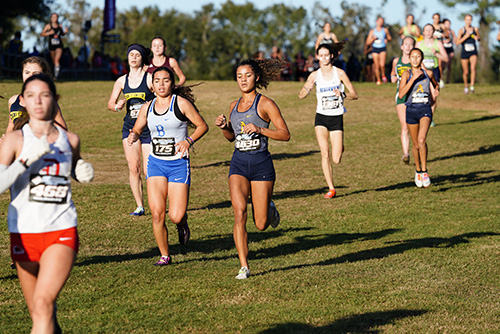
x: 239, y: 189
x: 405, y: 138
x: 133, y: 156
x: 322, y: 135
x: 157, y: 199
x: 261, y: 197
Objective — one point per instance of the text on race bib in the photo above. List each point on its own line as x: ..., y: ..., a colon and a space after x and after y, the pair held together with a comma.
x: 245, y: 142
x: 49, y: 189
x: 164, y: 147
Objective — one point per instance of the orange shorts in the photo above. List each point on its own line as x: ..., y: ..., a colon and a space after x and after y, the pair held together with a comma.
x: 29, y: 247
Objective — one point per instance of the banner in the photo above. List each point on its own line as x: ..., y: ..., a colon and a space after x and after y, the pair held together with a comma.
x: 109, y: 15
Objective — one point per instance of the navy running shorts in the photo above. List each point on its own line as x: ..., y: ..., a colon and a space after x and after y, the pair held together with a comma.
x: 379, y: 50
x: 414, y: 114
x: 255, y: 167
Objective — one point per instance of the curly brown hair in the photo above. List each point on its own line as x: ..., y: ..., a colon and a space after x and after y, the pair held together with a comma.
x: 265, y: 70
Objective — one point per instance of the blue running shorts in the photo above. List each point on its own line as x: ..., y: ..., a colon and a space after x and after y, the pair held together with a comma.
x: 255, y: 167
x: 414, y: 114
x: 177, y: 171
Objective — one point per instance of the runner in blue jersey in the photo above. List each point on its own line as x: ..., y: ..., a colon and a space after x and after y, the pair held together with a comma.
x: 136, y: 87
x: 169, y: 172
x: 252, y: 170
x: 378, y: 38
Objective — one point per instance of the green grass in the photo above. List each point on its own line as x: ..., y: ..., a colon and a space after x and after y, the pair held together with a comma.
x: 382, y: 257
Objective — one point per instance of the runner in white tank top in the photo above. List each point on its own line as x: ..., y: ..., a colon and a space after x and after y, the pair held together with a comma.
x: 329, y: 124
x: 35, y: 163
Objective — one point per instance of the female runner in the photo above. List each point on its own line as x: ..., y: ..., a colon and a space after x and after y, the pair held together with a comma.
x: 378, y: 38
x: 160, y: 59
x: 468, y: 37
x: 410, y: 29
x: 252, y: 171
x: 35, y: 163
x: 169, y: 172
x: 136, y: 87
x: 329, y: 122
x: 448, y: 46
x: 54, y: 31
x: 326, y: 37
x: 416, y: 85
x: 399, y: 65
x: 30, y: 66
x: 434, y: 52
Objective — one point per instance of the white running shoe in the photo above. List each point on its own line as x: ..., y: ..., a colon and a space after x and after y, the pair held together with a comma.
x: 418, y: 179
x: 275, y: 215
x: 426, y: 180
x: 244, y: 273
x: 466, y: 90
x: 441, y: 83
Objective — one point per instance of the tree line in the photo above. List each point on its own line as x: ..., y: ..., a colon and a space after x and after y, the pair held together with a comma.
x: 210, y: 40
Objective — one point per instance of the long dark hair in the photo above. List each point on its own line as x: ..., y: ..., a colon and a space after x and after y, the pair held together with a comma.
x: 334, y: 48
x: 265, y: 70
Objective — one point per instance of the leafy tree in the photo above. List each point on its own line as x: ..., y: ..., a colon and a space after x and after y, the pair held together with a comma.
x: 13, y: 10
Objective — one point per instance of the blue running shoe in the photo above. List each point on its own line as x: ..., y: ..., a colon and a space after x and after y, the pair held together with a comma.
x: 138, y: 212
x: 164, y: 261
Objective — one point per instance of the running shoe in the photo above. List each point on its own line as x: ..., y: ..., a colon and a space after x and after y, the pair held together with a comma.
x: 384, y: 79
x: 406, y: 159
x: 164, y: 261
x: 418, y: 179
x: 426, y: 180
x: 432, y: 124
x: 275, y: 215
x: 331, y: 193
x: 244, y: 273
x: 12, y: 265
x: 466, y: 90
x: 379, y: 82
x: 441, y: 83
x: 472, y: 90
x: 184, y: 233
x: 138, y: 212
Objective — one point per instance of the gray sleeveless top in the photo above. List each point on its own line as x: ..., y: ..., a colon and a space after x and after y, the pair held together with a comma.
x: 420, y: 93
x: 248, y: 143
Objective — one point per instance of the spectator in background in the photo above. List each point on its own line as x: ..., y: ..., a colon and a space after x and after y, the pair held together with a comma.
x: 300, y: 67
x: 15, y: 44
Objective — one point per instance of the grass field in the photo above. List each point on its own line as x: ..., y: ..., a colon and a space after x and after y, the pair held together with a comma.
x: 382, y: 257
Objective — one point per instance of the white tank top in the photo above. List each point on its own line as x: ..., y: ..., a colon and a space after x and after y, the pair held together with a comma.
x: 166, y: 130
x: 41, y: 196
x: 329, y: 104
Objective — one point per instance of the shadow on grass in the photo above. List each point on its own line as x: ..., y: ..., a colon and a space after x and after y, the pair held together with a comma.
x: 393, y: 249
x: 456, y: 181
x: 278, y: 156
x: 357, y: 323
x: 276, y: 195
x: 480, y: 119
x: 9, y: 277
x: 480, y: 151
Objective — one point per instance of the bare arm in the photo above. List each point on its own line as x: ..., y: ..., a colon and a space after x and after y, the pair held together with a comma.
x: 351, y: 94
x: 394, y: 77
x: 225, y: 125
x: 177, y: 69
x: 308, y: 86
x: 388, y: 35
x: 113, y: 103
x: 188, y: 109
x: 270, y: 110
x: 442, y: 54
x: 47, y: 30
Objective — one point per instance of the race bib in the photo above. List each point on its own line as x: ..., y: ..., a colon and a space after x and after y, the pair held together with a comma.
x: 134, y: 110
x: 49, y: 189
x: 428, y: 63
x: 469, y: 47
x: 164, y: 147
x: 448, y: 45
x: 55, y: 41
x: 378, y: 41
x: 245, y: 142
x: 420, y: 98
x: 331, y: 102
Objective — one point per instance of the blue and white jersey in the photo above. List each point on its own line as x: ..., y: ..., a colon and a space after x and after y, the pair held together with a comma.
x: 329, y: 104
x: 381, y: 36
x: 167, y: 130
x: 41, y: 196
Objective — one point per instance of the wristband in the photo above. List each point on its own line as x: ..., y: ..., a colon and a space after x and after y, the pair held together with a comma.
x: 190, y: 141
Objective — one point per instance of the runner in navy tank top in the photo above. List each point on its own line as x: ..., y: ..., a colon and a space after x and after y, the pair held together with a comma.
x: 416, y: 84
x: 169, y: 173
x: 251, y: 165
x: 133, y: 101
